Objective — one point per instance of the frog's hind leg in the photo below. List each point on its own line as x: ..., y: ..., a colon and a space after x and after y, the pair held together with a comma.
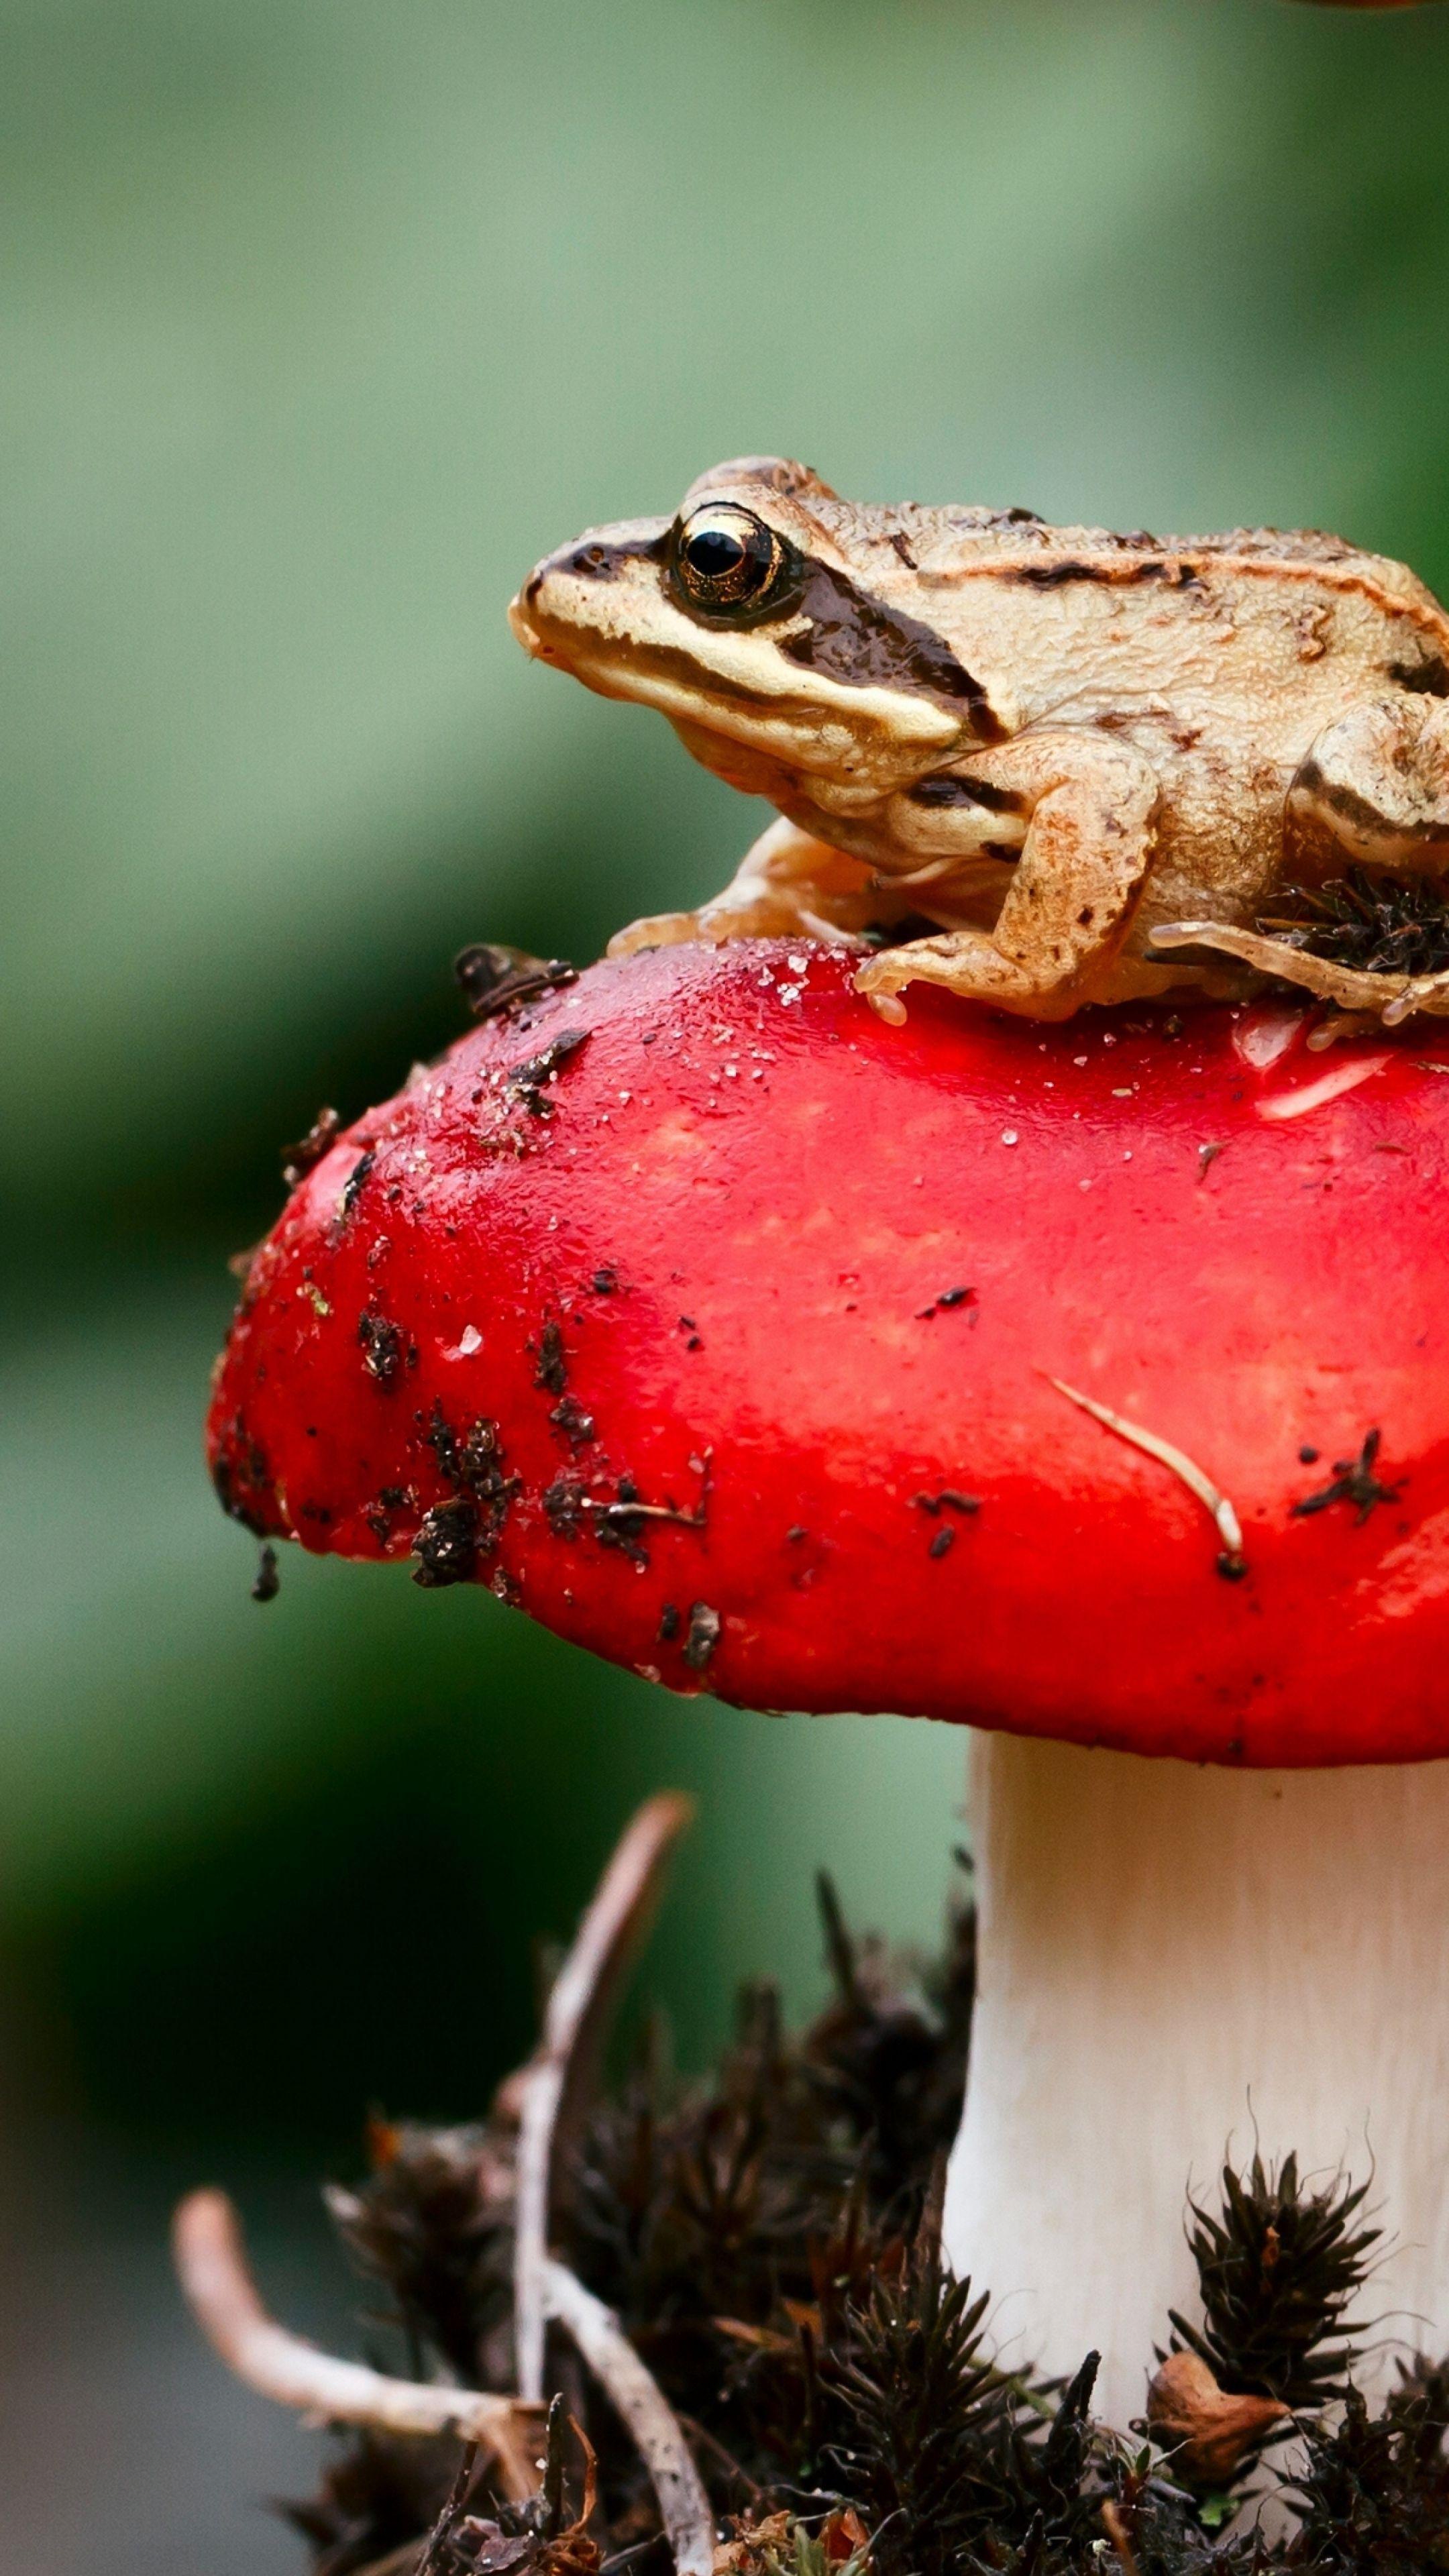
x: 788, y: 886
x: 1372, y: 793
x: 1374, y: 788
x: 1088, y: 849
x: 1353, y: 988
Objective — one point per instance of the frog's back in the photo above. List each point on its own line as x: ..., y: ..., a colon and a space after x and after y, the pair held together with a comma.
x: 1017, y: 544
x: 1302, y: 558
x: 1271, y: 631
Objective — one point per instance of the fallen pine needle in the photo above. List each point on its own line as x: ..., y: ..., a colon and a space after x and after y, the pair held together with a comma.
x: 1229, y: 1527
x: 1329, y: 1086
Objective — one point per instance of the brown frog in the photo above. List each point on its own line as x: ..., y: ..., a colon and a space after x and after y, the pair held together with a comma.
x: 1081, y: 765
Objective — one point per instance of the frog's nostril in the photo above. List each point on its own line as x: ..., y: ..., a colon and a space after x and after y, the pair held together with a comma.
x: 591, y: 562
x: 608, y: 558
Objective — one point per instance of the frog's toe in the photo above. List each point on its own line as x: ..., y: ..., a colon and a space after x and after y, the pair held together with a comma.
x: 658, y: 930
x: 967, y: 963
x: 1427, y: 993
x: 1252, y: 946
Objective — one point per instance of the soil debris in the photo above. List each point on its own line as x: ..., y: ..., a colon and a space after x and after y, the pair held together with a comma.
x: 530, y: 1080
x: 552, y: 1372
x: 569, y: 1417
x: 473, y: 1461
x: 1353, y: 1481
x: 945, y: 1304
x: 702, y: 1636
x: 298, y: 1160
x: 494, y: 978
x: 446, y: 1545
x: 355, y: 1183
x: 381, y: 1344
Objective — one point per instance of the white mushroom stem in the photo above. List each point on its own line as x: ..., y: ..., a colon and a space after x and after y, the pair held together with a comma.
x: 212, y: 2266
x: 1179, y: 1963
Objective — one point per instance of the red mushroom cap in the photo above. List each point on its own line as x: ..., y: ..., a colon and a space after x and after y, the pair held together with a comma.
x: 745, y: 1340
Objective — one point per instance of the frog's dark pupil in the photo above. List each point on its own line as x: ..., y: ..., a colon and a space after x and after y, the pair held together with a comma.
x: 714, y: 554
x: 727, y: 565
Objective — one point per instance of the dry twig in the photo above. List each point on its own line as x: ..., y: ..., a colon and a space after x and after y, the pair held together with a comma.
x: 645, y: 2412
x: 212, y: 2265
x: 556, y: 2080
x: 551, y: 2093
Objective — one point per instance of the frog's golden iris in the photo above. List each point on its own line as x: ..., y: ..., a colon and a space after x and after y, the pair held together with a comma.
x: 728, y: 564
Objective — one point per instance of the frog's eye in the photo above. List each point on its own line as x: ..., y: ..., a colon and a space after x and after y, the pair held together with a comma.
x: 727, y: 563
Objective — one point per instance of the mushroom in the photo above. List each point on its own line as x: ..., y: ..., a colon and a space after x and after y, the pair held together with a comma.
x: 1084, y: 1385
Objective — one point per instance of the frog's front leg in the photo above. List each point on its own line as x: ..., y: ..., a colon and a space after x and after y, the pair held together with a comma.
x: 1373, y: 792
x: 1090, y: 806
x: 788, y: 886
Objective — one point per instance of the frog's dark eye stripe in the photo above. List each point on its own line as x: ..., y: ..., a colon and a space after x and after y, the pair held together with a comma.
x: 851, y: 636
x: 728, y: 565
x: 946, y: 788
x: 729, y: 568
x: 1429, y: 675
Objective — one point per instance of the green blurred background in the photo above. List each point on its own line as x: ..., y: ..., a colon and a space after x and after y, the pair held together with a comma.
x: 322, y: 319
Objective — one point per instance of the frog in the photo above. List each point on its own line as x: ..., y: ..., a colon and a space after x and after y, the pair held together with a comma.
x: 1040, y: 767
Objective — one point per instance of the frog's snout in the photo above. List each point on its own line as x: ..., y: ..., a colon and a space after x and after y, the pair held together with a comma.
x: 543, y: 602
x: 552, y: 607
x: 521, y: 617
x: 583, y: 589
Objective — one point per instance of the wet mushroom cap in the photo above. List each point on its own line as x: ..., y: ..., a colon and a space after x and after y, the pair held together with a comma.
x: 743, y: 1339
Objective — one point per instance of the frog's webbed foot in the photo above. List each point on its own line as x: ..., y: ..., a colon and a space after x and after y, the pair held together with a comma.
x: 1088, y: 847
x: 967, y: 962
x: 1354, y: 988
x: 788, y: 886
